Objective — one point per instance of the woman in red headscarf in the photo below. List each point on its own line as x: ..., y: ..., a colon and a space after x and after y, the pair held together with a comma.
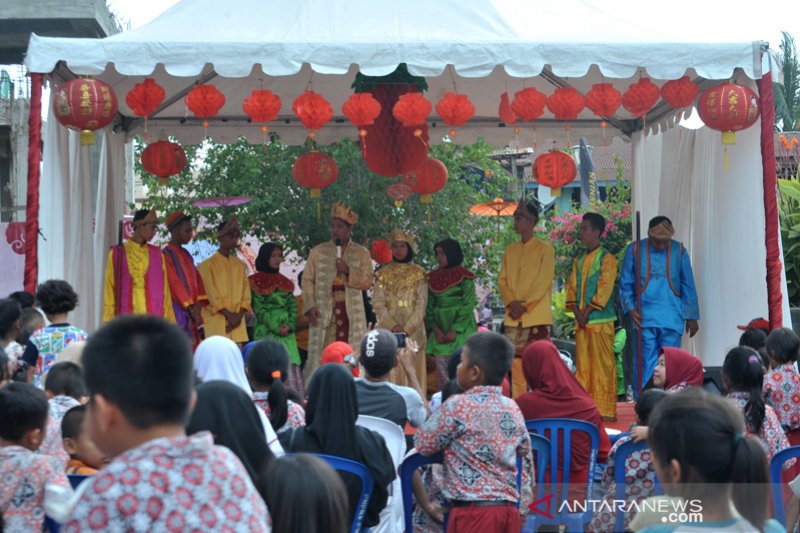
x: 556, y: 393
x: 677, y: 370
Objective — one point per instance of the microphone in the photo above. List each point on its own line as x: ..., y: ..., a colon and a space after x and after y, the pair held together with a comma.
x: 338, y: 243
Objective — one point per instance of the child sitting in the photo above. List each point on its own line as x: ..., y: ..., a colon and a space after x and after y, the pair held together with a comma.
x: 676, y: 370
x: 139, y: 374
x: 782, y: 382
x: 65, y: 389
x: 267, y: 366
x: 24, y: 473
x: 57, y: 300
x: 727, y: 473
x: 84, y: 457
x: 480, y: 464
x: 640, y: 473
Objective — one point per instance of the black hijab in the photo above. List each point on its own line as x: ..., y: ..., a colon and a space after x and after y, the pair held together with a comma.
x: 409, y: 256
x: 230, y: 415
x: 262, y: 261
x: 452, y: 250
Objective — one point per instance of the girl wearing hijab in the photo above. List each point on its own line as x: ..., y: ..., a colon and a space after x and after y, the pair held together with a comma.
x: 331, y: 429
x: 229, y: 414
x: 451, y: 305
x: 275, y: 309
x: 556, y: 393
x: 399, y: 298
x: 219, y: 358
x: 677, y: 370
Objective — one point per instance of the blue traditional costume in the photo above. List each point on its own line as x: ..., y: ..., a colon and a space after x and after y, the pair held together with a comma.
x: 669, y: 296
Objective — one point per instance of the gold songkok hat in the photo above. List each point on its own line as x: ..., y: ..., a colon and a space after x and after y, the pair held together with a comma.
x: 342, y: 211
x: 402, y: 236
x: 662, y: 230
x: 231, y: 226
x: 150, y: 218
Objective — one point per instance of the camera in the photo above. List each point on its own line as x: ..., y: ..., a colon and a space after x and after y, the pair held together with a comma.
x: 401, y: 339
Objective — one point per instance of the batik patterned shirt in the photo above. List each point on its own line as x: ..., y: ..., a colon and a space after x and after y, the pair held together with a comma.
x: 171, y: 484
x: 771, y: 434
x: 481, y: 433
x: 297, y: 415
x: 640, y: 476
x: 23, y: 476
x: 782, y: 392
x: 53, y: 444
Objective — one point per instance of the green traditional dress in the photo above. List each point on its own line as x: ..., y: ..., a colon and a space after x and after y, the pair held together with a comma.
x: 451, y: 306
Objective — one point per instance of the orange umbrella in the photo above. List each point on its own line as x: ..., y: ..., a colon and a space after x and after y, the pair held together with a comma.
x: 496, y: 208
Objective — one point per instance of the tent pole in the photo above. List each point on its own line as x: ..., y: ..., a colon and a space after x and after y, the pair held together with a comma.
x: 772, y: 228
x: 32, y: 203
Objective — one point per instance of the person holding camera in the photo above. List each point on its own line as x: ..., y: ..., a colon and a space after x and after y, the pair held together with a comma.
x: 399, y: 297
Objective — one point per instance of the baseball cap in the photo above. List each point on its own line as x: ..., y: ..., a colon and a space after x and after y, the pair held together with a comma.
x: 339, y: 352
x: 756, y: 323
x: 378, y: 352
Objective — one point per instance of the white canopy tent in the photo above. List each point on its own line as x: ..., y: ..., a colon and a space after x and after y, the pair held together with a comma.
x: 482, y: 47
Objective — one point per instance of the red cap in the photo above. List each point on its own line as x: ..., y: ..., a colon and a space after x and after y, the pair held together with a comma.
x: 336, y: 352
x: 756, y: 323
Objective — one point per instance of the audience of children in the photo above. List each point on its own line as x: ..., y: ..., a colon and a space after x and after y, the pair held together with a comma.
x: 677, y: 370
x: 84, y: 457
x: 56, y: 299
x: 640, y: 472
x: 556, y: 393
x: 138, y: 370
x: 782, y: 382
x: 480, y: 465
x: 23, y: 472
x: 379, y: 397
x: 65, y: 389
x: 228, y: 413
x: 267, y: 368
x: 307, y: 479
x: 331, y: 429
x: 727, y: 473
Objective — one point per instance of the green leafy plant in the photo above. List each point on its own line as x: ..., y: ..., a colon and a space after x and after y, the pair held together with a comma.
x: 789, y: 214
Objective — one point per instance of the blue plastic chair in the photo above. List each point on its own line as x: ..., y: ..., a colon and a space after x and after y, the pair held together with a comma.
x: 367, y: 484
x: 620, y: 458
x: 775, y: 469
x: 541, y: 447
x: 559, y: 431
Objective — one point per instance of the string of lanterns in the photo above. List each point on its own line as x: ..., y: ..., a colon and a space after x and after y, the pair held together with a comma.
x: 86, y: 105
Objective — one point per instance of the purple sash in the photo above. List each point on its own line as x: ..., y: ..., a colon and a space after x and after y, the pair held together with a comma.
x: 153, y: 282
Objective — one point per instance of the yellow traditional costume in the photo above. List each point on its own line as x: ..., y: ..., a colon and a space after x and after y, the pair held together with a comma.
x: 336, y: 296
x: 136, y: 279
x: 399, y: 298
x: 591, y: 287
x: 227, y: 287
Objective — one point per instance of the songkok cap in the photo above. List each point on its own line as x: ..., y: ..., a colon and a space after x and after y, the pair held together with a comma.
x: 144, y: 216
x: 175, y: 218
x: 228, y: 227
x: 756, y: 323
x: 342, y: 211
x: 402, y: 236
x: 338, y: 352
x: 662, y: 230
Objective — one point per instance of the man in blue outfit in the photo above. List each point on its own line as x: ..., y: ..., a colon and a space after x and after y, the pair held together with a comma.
x: 669, y: 296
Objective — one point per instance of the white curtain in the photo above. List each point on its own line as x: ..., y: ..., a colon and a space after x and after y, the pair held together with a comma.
x: 719, y: 216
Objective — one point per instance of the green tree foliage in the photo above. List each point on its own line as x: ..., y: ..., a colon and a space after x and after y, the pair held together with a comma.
x: 283, y: 211
x: 787, y: 97
x: 789, y: 214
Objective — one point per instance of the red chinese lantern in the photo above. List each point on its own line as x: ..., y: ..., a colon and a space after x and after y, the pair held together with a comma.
x: 315, y: 170
x: 505, y: 112
x: 554, y: 169
x: 603, y: 99
x: 455, y: 110
x: 528, y: 104
x: 412, y: 109
x: 399, y: 192
x: 641, y: 97
x: 163, y: 159
x: 680, y: 93
x: 145, y: 97
x: 361, y: 109
x: 85, y: 105
x: 262, y: 106
x: 205, y: 101
x: 313, y: 110
x: 728, y: 107
x: 428, y: 178
x: 565, y: 103
x: 380, y: 252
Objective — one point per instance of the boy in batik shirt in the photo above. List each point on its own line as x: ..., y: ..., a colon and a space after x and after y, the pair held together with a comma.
x: 159, y: 479
x: 23, y: 472
x: 65, y: 388
x: 480, y: 464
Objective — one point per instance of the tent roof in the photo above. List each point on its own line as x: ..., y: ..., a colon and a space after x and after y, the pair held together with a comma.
x: 483, y: 47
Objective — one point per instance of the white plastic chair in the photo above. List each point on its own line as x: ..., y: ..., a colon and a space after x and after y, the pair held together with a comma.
x: 392, y: 514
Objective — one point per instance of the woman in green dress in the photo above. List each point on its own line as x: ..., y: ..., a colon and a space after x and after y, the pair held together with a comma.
x: 451, y: 305
x: 276, y: 309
